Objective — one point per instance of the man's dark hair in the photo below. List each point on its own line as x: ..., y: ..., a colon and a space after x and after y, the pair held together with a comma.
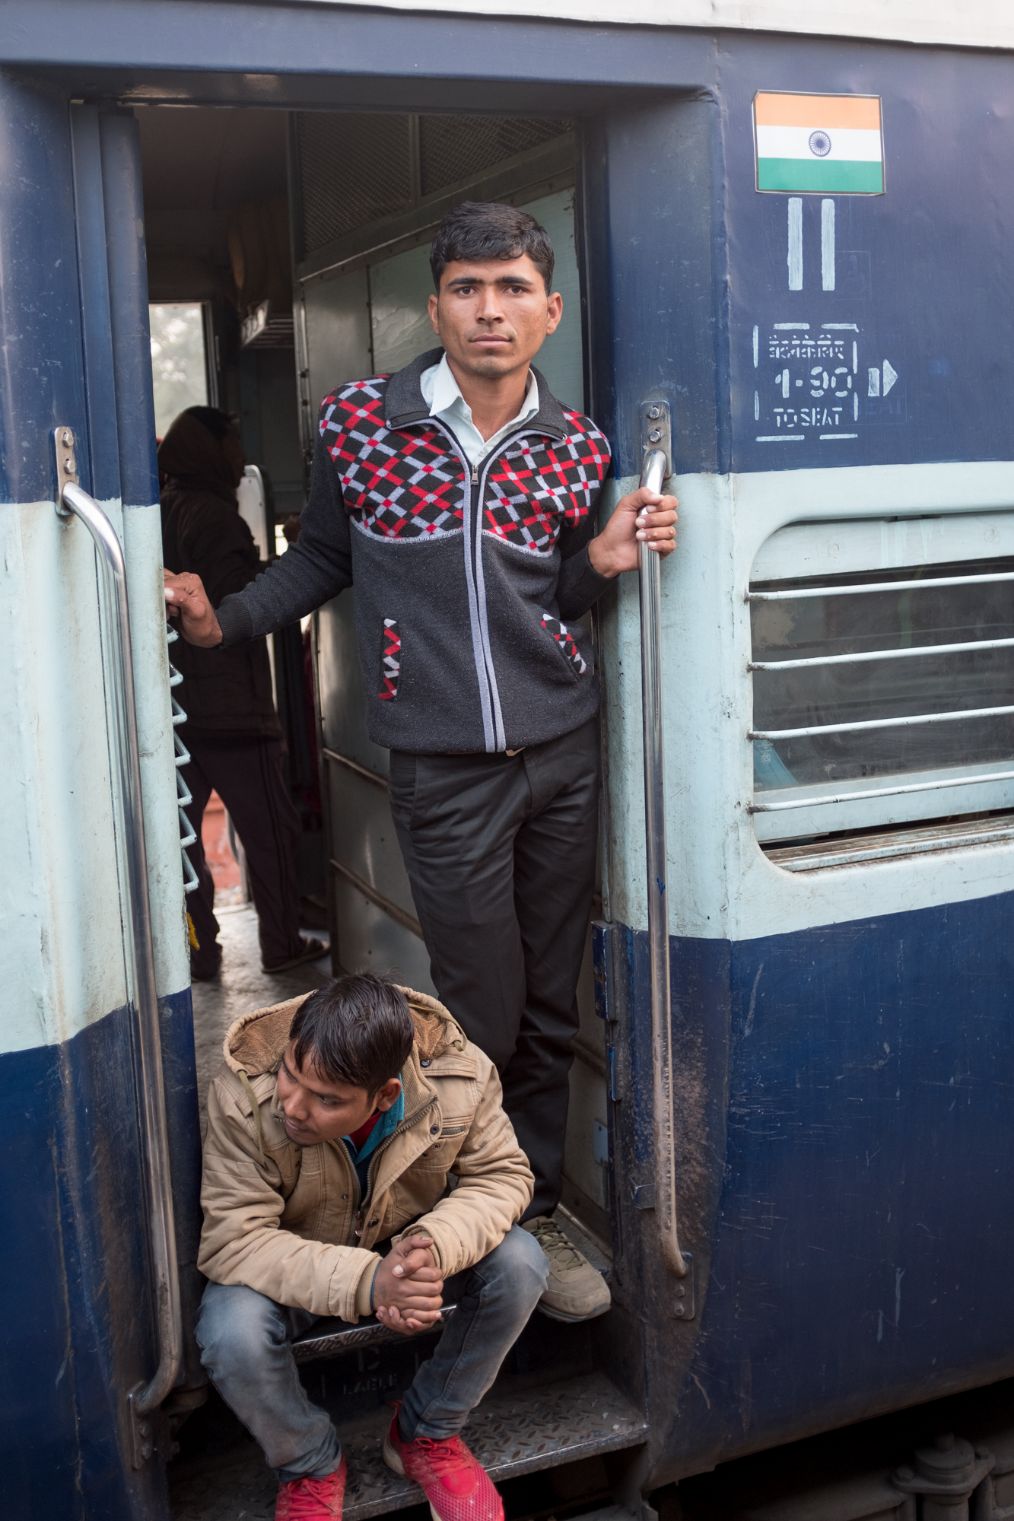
x: 490, y: 230
x: 354, y: 1030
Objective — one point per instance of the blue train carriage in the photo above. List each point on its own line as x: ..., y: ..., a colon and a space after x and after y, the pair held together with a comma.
x: 795, y: 1144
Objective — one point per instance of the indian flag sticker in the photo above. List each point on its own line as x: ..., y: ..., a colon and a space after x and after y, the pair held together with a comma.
x: 819, y: 144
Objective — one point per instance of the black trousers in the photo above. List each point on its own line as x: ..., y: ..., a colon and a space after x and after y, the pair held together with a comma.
x: 248, y: 773
x: 500, y: 853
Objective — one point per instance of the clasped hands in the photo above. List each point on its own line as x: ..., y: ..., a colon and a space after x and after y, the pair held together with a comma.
x: 408, y: 1288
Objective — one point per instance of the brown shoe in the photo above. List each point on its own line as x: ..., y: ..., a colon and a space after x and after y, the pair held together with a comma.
x: 576, y: 1290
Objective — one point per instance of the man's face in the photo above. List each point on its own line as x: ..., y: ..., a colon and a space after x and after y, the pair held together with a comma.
x: 492, y: 316
x: 316, y: 1109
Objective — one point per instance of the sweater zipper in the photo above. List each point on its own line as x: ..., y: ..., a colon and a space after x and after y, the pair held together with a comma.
x: 482, y: 655
x: 364, y: 1199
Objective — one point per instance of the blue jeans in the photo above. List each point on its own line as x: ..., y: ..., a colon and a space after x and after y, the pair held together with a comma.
x: 245, y: 1341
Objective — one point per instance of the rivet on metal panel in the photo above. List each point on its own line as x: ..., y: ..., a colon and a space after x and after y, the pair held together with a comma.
x: 66, y: 465
x: 684, y: 1300
x: 656, y: 430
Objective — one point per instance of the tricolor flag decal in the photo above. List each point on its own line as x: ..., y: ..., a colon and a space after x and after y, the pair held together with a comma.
x: 819, y: 144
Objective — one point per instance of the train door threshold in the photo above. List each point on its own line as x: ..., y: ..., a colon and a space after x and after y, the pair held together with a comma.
x: 516, y: 1431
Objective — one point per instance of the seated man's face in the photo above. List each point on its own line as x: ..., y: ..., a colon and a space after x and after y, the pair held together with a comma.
x: 315, y: 1108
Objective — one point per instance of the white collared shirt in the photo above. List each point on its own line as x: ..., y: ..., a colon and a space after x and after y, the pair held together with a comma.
x: 443, y: 397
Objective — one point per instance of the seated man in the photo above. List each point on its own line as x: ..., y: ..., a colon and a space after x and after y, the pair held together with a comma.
x: 334, y: 1128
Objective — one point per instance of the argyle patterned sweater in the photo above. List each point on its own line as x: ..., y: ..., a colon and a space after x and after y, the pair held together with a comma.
x: 467, y: 581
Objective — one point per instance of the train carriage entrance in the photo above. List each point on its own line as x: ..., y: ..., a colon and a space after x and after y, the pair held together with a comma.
x: 841, y: 985
x: 355, y: 196
x: 278, y: 335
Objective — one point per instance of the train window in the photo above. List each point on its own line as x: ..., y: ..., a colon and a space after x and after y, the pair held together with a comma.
x: 883, y: 703
x: 179, y: 365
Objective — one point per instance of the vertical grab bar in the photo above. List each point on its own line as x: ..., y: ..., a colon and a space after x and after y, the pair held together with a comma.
x: 143, y: 1399
x: 653, y: 474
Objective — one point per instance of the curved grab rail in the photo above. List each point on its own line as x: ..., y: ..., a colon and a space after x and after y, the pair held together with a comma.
x: 653, y: 474
x: 144, y: 1399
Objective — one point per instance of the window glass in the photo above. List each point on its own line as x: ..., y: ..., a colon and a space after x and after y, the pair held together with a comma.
x: 178, y: 361
x: 920, y: 666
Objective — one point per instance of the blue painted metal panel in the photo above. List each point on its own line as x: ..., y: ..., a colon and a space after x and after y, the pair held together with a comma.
x: 128, y: 278
x: 846, y: 1175
x: 922, y: 270
x: 695, y: 257
x: 653, y: 241
x: 101, y: 445
x: 40, y: 311
x: 76, y: 1325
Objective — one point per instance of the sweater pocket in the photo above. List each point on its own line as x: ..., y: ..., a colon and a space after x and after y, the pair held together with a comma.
x: 390, y: 660
x: 565, y: 643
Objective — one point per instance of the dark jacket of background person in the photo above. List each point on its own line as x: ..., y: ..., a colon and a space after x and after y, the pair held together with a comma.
x: 224, y: 691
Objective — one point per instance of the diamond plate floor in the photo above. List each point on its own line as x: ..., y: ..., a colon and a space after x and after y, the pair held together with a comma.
x: 511, y: 1433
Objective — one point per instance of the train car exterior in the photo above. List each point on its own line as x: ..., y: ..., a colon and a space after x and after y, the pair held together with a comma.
x: 798, y: 243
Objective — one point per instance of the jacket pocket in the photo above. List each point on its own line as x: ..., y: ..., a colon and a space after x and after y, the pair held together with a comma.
x: 390, y: 660
x: 565, y: 643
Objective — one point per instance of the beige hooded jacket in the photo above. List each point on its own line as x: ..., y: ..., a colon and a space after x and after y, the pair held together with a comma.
x: 287, y: 1220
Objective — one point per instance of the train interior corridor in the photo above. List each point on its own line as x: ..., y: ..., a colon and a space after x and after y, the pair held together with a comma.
x: 288, y: 251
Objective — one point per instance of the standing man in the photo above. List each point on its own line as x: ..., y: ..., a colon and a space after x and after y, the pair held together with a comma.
x: 459, y: 495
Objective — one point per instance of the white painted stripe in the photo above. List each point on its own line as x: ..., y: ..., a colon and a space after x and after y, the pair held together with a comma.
x: 856, y: 145
x: 142, y: 548
x: 721, y: 885
x: 976, y: 23
x: 61, y: 959
x: 795, y: 235
x: 827, y: 272
x: 61, y: 956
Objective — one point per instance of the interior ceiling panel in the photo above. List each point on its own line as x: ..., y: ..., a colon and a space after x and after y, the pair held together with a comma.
x: 211, y: 159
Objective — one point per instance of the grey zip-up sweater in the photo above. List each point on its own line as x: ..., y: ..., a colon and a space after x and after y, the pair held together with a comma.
x: 466, y: 579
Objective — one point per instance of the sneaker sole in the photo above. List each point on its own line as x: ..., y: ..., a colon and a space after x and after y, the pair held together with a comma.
x: 570, y: 1320
x: 393, y: 1461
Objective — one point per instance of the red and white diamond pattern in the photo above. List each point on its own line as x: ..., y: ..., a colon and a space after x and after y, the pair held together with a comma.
x: 565, y: 639
x: 407, y: 484
x: 390, y: 661
x: 398, y: 485
x: 540, y: 484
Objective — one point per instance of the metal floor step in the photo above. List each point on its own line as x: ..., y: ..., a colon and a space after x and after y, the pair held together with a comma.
x: 512, y: 1433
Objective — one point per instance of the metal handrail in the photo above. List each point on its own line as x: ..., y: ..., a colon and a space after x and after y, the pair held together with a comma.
x: 860, y: 588
x: 906, y: 721
x: 144, y: 1399
x: 653, y: 474
x: 970, y: 780
x: 906, y: 652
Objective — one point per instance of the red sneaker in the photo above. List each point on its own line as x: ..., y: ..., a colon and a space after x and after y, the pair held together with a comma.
x: 313, y: 1499
x: 453, y: 1481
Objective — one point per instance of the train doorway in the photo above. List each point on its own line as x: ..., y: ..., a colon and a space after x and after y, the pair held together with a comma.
x: 303, y: 238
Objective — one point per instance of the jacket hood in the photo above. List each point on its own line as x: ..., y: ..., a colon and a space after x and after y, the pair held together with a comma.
x: 254, y: 1044
x: 191, y: 455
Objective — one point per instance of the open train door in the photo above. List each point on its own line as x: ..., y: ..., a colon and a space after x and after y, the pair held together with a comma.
x: 91, y: 1343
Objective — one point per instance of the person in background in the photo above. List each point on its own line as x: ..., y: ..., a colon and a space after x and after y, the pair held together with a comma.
x: 232, y: 730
